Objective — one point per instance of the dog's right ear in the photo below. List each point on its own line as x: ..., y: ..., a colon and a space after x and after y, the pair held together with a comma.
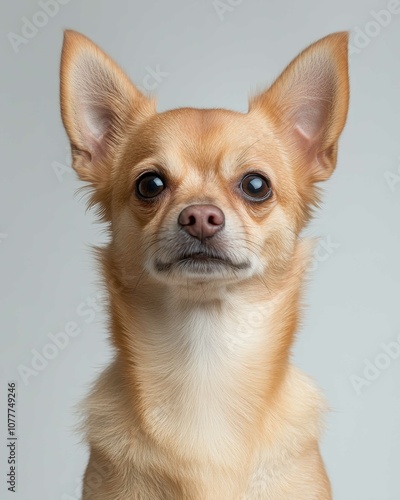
x: 309, y: 103
x: 98, y: 105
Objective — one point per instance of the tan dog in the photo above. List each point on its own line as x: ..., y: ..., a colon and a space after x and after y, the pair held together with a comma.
x: 204, y: 272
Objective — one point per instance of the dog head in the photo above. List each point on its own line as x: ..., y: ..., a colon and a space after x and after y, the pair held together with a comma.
x: 196, y: 196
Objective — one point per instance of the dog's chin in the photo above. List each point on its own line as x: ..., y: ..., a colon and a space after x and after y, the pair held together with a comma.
x: 201, y: 267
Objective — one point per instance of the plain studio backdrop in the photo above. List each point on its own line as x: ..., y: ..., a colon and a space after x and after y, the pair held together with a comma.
x: 200, y: 53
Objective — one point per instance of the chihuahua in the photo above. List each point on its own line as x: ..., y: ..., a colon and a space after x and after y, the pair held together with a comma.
x: 203, y: 270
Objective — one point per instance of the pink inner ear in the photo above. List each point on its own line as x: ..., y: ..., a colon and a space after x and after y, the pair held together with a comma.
x: 312, y: 98
x: 97, y: 120
x: 92, y: 86
x: 311, y: 119
x: 94, y: 124
x: 92, y: 112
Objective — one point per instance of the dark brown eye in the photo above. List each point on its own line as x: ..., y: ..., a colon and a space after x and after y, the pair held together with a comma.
x: 150, y: 185
x: 256, y: 187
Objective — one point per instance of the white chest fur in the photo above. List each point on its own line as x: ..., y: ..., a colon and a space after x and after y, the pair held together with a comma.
x: 199, y: 368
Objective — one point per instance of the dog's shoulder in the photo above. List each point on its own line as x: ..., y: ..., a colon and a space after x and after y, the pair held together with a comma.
x: 109, y: 421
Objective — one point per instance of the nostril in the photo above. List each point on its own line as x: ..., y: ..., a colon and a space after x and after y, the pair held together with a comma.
x: 215, y: 218
x: 192, y: 220
x: 213, y: 221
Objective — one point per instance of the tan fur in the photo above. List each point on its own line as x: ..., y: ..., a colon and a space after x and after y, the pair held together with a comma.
x: 201, y: 402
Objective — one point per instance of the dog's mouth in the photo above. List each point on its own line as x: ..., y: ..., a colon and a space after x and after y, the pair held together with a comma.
x: 201, y: 262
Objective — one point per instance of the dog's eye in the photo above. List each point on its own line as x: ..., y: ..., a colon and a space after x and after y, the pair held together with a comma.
x: 256, y: 187
x: 150, y: 185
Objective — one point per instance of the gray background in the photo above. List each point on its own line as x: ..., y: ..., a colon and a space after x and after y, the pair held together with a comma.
x: 47, y: 271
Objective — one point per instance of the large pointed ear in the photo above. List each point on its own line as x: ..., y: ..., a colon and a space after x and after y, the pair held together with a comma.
x: 309, y: 102
x: 98, y: 105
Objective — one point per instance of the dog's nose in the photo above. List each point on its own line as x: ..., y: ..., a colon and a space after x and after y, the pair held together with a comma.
x: 201, y: 221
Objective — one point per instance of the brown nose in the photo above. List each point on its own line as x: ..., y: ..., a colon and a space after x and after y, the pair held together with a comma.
x: 201, y: 221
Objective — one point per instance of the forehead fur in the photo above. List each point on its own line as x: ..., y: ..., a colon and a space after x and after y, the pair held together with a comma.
x: 202, y: 134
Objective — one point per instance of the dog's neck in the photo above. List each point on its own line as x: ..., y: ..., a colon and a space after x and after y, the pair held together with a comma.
x: 203, y: 365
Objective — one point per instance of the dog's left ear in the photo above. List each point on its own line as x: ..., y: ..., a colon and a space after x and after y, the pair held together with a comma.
x: 99, y: 104
x: 309, y: 103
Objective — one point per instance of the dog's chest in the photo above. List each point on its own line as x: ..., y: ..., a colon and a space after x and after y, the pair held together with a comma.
x: 197, y: 374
